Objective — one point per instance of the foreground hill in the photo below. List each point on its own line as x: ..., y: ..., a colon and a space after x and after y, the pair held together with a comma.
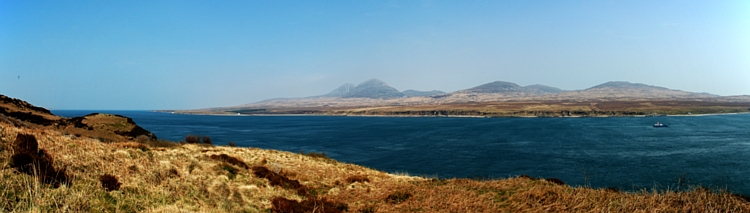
x: 83, y: 174
x: 103, y: 127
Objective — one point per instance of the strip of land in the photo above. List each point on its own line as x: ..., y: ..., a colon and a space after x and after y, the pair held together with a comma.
x: 508, y: 109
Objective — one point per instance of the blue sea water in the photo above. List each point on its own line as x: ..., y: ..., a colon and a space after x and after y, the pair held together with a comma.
x: 623, y: 152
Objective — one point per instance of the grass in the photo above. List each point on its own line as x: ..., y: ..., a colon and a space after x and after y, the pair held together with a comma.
x: 187, y: 178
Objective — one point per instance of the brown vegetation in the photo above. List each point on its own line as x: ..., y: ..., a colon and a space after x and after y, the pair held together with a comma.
x: 31, y: 160
x: 281, y: 204
x: 109, y: 182
x: 276, y: 179
x: 357, y: 178
x: 230, y: 160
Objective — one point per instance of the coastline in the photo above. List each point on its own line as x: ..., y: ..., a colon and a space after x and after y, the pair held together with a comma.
x: 455, y: 116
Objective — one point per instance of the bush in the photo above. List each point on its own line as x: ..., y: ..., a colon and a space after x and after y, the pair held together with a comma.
x: 25, y: 144
x: 192, y: 139
x: 31, y: 160
x: 142, y: 139
x: 232, y: 144
x: 230, y: 160
x: 281, y: 204
x: 279, y: 180
x: 555, y: 181
x: 357, y: 178
x: 162, y: 143
x: 321, y: 155
x: 109, y: 182
x: 206, y: 140
x: 398, y: 197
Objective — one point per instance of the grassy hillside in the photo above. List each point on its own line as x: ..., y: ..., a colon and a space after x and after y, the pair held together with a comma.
x: 127, y: 176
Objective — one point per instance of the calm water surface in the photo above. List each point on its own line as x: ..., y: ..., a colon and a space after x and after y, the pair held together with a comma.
x: 625, y: 153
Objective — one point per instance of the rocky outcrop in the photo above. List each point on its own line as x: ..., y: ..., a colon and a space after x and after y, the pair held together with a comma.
x: 20, y: 112
x: 105, y: 127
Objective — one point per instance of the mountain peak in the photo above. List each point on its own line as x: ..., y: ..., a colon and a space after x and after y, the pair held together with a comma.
x: 496, y: 87
x: 624, y: 85
x: 373, y: 88
x: 373, y: 82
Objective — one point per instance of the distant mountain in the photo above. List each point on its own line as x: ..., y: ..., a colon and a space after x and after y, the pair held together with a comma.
x: 415, y: 93
x: 508, y: 87
x: 626, y: 90
x: 625, y: 85
x: 377, y: 93
x: 375, y: 89
x: 542, y: 89
x: 341, y: 91
x: 495, y: 87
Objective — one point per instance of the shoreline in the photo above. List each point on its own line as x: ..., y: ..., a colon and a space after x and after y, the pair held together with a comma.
x: 452, y: 116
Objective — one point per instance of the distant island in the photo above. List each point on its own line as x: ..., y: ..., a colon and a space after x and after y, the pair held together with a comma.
x: 495, y: 99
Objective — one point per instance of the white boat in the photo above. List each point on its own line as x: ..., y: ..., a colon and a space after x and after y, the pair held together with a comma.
x: 657, y: 124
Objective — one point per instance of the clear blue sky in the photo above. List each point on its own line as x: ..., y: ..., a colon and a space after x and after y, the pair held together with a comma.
x: 195, y: 54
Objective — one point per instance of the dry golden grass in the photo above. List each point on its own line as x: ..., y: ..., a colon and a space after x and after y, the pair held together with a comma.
x: 184, y: 178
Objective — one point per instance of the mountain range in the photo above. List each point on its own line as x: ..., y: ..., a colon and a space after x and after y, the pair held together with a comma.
x: 377, y: 89
x: 496, y: 99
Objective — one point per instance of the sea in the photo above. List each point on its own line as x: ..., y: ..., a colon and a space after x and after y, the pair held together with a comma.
x: 626, y: 153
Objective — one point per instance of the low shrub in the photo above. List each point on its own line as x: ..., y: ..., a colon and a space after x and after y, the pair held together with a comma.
x: 109, y: 182
x: 162, y: 143
x: 206, y: 140
x: 25, y: 144
x: 321, y: 155
x: 31, y: 160
x: 398, y: 197
x: 232, y: 144
x: 555, y: 181
x: 192, y: 139
x: 230, y: 160
x: 231, y: 170
x: 281, y: 204
x: 357, y: 178
x: 276, y: 179
x: 142, y: 139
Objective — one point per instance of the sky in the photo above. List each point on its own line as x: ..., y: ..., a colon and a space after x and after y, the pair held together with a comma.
x: 144, y: 55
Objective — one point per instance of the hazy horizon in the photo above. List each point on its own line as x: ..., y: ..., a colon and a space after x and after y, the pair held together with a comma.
x: 193, y: 54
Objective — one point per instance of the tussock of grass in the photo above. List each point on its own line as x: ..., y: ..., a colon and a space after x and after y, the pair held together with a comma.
x: 279, y: 180
x: 357, y: 178
x: 230, y: 160
x: 109, y: 182
x: 281, y: 204
x: 31, y: 160
x: 184, y: 178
